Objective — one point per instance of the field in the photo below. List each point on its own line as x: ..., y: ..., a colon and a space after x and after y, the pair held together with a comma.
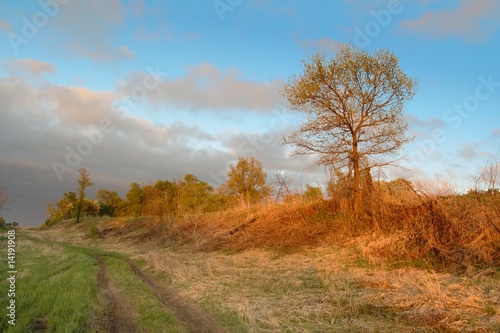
x: 146, y: 275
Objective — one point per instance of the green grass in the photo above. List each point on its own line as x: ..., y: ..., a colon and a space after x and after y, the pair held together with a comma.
x: 56, y: 290
x: 152, y: 315
x: 421, y: 263
x: 229, y: 319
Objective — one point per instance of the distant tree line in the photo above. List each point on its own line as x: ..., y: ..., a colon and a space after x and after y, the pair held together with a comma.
x: 246, y: 185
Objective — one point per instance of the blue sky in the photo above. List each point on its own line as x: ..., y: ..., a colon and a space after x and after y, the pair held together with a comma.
x: 189, y: 86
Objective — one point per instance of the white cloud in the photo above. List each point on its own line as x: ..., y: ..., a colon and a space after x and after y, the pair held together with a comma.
x: 31, y: 67
x: 473, y: 20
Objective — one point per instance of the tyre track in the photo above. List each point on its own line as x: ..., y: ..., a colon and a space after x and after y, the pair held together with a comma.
x: 194, y: 318
x: 117, y: 318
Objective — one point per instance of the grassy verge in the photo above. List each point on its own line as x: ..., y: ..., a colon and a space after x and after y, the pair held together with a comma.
x: 56, y: 289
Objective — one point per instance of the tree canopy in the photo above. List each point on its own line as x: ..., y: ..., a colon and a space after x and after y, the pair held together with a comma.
x: 354, y: 106
x: 247, y: 179
x: 83, y: 183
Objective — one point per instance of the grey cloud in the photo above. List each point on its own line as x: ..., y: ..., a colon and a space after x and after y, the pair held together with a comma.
x: 267, y: 148
x: 428, y: 124
x: 79, y: 106
x: 26, y: 183
x: 84, y: 28
x: 206, y: 87
x: 469, y: 151
x: 422, y: 128
x: 89, y: 19
x: 101, y: 51
x: 38, y: 125
x: 163, y: 31
x: 324, y: 44
x: 41, y: 121
x: 5, y: 25
x: 88, y: 26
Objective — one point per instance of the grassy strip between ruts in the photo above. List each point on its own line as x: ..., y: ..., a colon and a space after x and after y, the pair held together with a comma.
x: 57, y: 290
x: 152, y: 316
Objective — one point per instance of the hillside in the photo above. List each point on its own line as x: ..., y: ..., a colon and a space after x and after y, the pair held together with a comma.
x: 309, y: 267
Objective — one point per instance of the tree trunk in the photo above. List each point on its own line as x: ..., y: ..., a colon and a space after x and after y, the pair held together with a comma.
x: 367, y: 195
x: 78, y: 211
x: 355, y: 168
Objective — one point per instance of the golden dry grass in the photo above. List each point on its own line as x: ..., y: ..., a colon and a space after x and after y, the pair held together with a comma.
x: 290, y: 285
x: 404, y: 264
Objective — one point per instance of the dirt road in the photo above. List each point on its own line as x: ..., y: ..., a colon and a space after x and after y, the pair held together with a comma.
x: 119, y: 318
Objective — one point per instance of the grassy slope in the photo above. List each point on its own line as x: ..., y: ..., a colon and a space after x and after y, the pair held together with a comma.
x: 288, y: 269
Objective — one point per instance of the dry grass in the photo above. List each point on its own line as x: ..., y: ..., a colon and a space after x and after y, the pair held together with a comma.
x: 326, y: 288
x: 301, y: 292
x: 437, y: 300
x: 452, y: 232
x: 407, y: 263
x: 456, y: 233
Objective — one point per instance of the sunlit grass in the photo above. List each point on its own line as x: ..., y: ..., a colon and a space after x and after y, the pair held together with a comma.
x: 252, y: 273
x: 56, y: 290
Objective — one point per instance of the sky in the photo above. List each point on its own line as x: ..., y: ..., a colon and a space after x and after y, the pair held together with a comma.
x: 141, y: 90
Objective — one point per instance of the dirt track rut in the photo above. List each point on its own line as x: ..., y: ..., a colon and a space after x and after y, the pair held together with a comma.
x: 118, y: 318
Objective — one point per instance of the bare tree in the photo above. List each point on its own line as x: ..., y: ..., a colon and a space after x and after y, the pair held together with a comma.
x: 283, y: 183
x: 489, y: 175
x: 486, y: 183
x: 354, y: 106
x: 489, y: 178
